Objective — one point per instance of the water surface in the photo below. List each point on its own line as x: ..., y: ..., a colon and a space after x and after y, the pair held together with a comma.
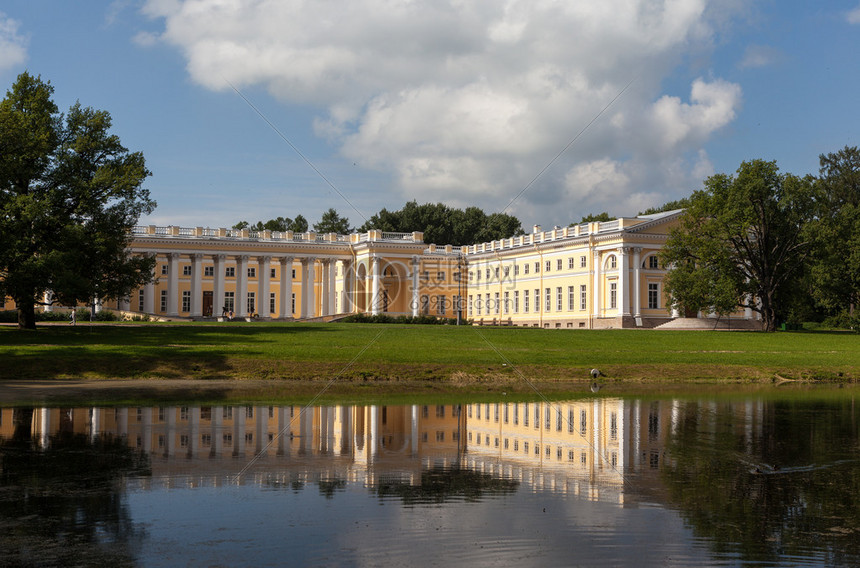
x: 709, y: 480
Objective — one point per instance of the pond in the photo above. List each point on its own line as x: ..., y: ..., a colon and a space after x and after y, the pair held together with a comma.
x: 761, y: 479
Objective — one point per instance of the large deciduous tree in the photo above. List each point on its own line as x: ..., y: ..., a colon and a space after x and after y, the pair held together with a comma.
x: 835, y: 269
x: 69, y: 195
x: 740, y: 242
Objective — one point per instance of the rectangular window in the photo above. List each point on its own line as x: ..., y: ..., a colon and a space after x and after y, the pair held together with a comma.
x: 558, y: 298
x: 440, y: 276
x: 208, y: 271
x: 293, y: 272
x: 229, y: 301
x: 516, y: 301
x: 653, y: 296
x: 516, y: 414
x: 583, y: 422
x: 537, y: 267
x: 140, y: 300
x: 537, y: 415
x: 570, y: 299
x: 558, y: 264
x: 507, y: 302
x: 548, y: 265
x: 525, y: 415
x: 164, y: 300
x: 525, y: 268
x: 487, y: 304
x: 558, y: 420
x: 496, y: 303
x: 497, y: 272
x: 570, y: 263
x: 293, y: 304
x: 164, y: 270
x: 252, y: 303
x: 186, y: 301
x: 526, y: 302
x: 272, y: 303
x: 442, y: 303
x: 613, y: 426
x: 230, y: 272
x: 252, y: 272
x: 582, y: 262
x: 548, y: 299
x: 271, y: 273
x: 547, y: 421
x: 613, y: 295
x: 507, y: 271
x: 488, y: 273
x: 470, y: 305
x: 570, y: 421
x: 653, y: 262
x: 186, y: 270
x: 583, y: 297
x: 537, y: 299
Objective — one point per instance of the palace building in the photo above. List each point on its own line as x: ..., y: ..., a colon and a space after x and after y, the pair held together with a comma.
x: 588, y: 276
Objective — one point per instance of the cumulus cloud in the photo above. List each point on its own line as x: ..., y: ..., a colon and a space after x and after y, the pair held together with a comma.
x: 13, y: 47
x: 467, y: 101
x: 759, y: 56
x: 854, y: 15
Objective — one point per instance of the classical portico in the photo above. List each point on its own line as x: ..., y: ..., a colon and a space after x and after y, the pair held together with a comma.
x: 204, y: 273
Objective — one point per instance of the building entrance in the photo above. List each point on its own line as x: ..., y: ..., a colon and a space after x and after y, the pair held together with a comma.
x: 207, y: 304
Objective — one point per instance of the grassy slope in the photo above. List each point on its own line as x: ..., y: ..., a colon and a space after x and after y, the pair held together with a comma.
x: 439, y: 354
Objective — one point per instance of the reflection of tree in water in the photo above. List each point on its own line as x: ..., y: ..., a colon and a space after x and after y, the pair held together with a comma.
x: 62, y: 505
x: 441, y: 484
x: 806, y: 498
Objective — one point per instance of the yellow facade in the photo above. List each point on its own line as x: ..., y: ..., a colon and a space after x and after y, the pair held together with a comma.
x: 588, y: 276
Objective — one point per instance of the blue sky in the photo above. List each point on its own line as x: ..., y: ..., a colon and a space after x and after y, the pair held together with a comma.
x: 463, y: 103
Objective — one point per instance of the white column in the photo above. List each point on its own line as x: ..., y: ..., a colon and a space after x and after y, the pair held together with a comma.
x: 348, y: 283
x: 637, y: 291
x: 218, y: 284
x: 624, y: 282
x: 286, y: 288
x: 416, y: 266
x: 45, y: 427
x: 374, y: 298
x: 149, y: 297
x: 196, y: 285
x: 332, y: 285
x: 241, y: 302
x: 264, y: 278
x: 48, y: 296
x: 596, y: 285
x: 172, y: 284
x: 308, y: 304
x: 325, y: 284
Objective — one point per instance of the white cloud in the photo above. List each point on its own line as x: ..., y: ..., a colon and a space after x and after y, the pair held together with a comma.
x: 756, y: 56
x: 13, y: 47
x: 854, y: 15
x: 468, y: 101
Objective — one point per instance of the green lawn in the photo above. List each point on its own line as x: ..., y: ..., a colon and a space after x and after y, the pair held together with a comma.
x: 362, y: 352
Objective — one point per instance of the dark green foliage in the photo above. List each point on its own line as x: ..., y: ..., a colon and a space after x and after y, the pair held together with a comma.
x: 835, y: 267
x: 385, y: 318
x: 682, y: 203
x: 740, y: 243
x: 444, y: 225
x: 69, y: 195
x: 332, y: 222
x: 280, y: 224
x: 592, y: 217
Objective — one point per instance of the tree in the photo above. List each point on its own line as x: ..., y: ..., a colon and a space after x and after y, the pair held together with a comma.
x: 332, y: 222
x: 444, y: 225
x: 601, y: 217
x: 682, y: 203
x: 280, y: 224
x: 740, y: 242
x: 69, y: 195
x: 835, y: 270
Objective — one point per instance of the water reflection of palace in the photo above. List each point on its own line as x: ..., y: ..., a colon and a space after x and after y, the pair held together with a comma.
x: 584, y: 447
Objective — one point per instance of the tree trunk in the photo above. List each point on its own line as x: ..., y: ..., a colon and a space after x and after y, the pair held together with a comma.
x: 26, y: 314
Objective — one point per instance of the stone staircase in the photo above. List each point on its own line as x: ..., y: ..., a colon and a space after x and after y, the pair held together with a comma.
x: 708, y: 324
